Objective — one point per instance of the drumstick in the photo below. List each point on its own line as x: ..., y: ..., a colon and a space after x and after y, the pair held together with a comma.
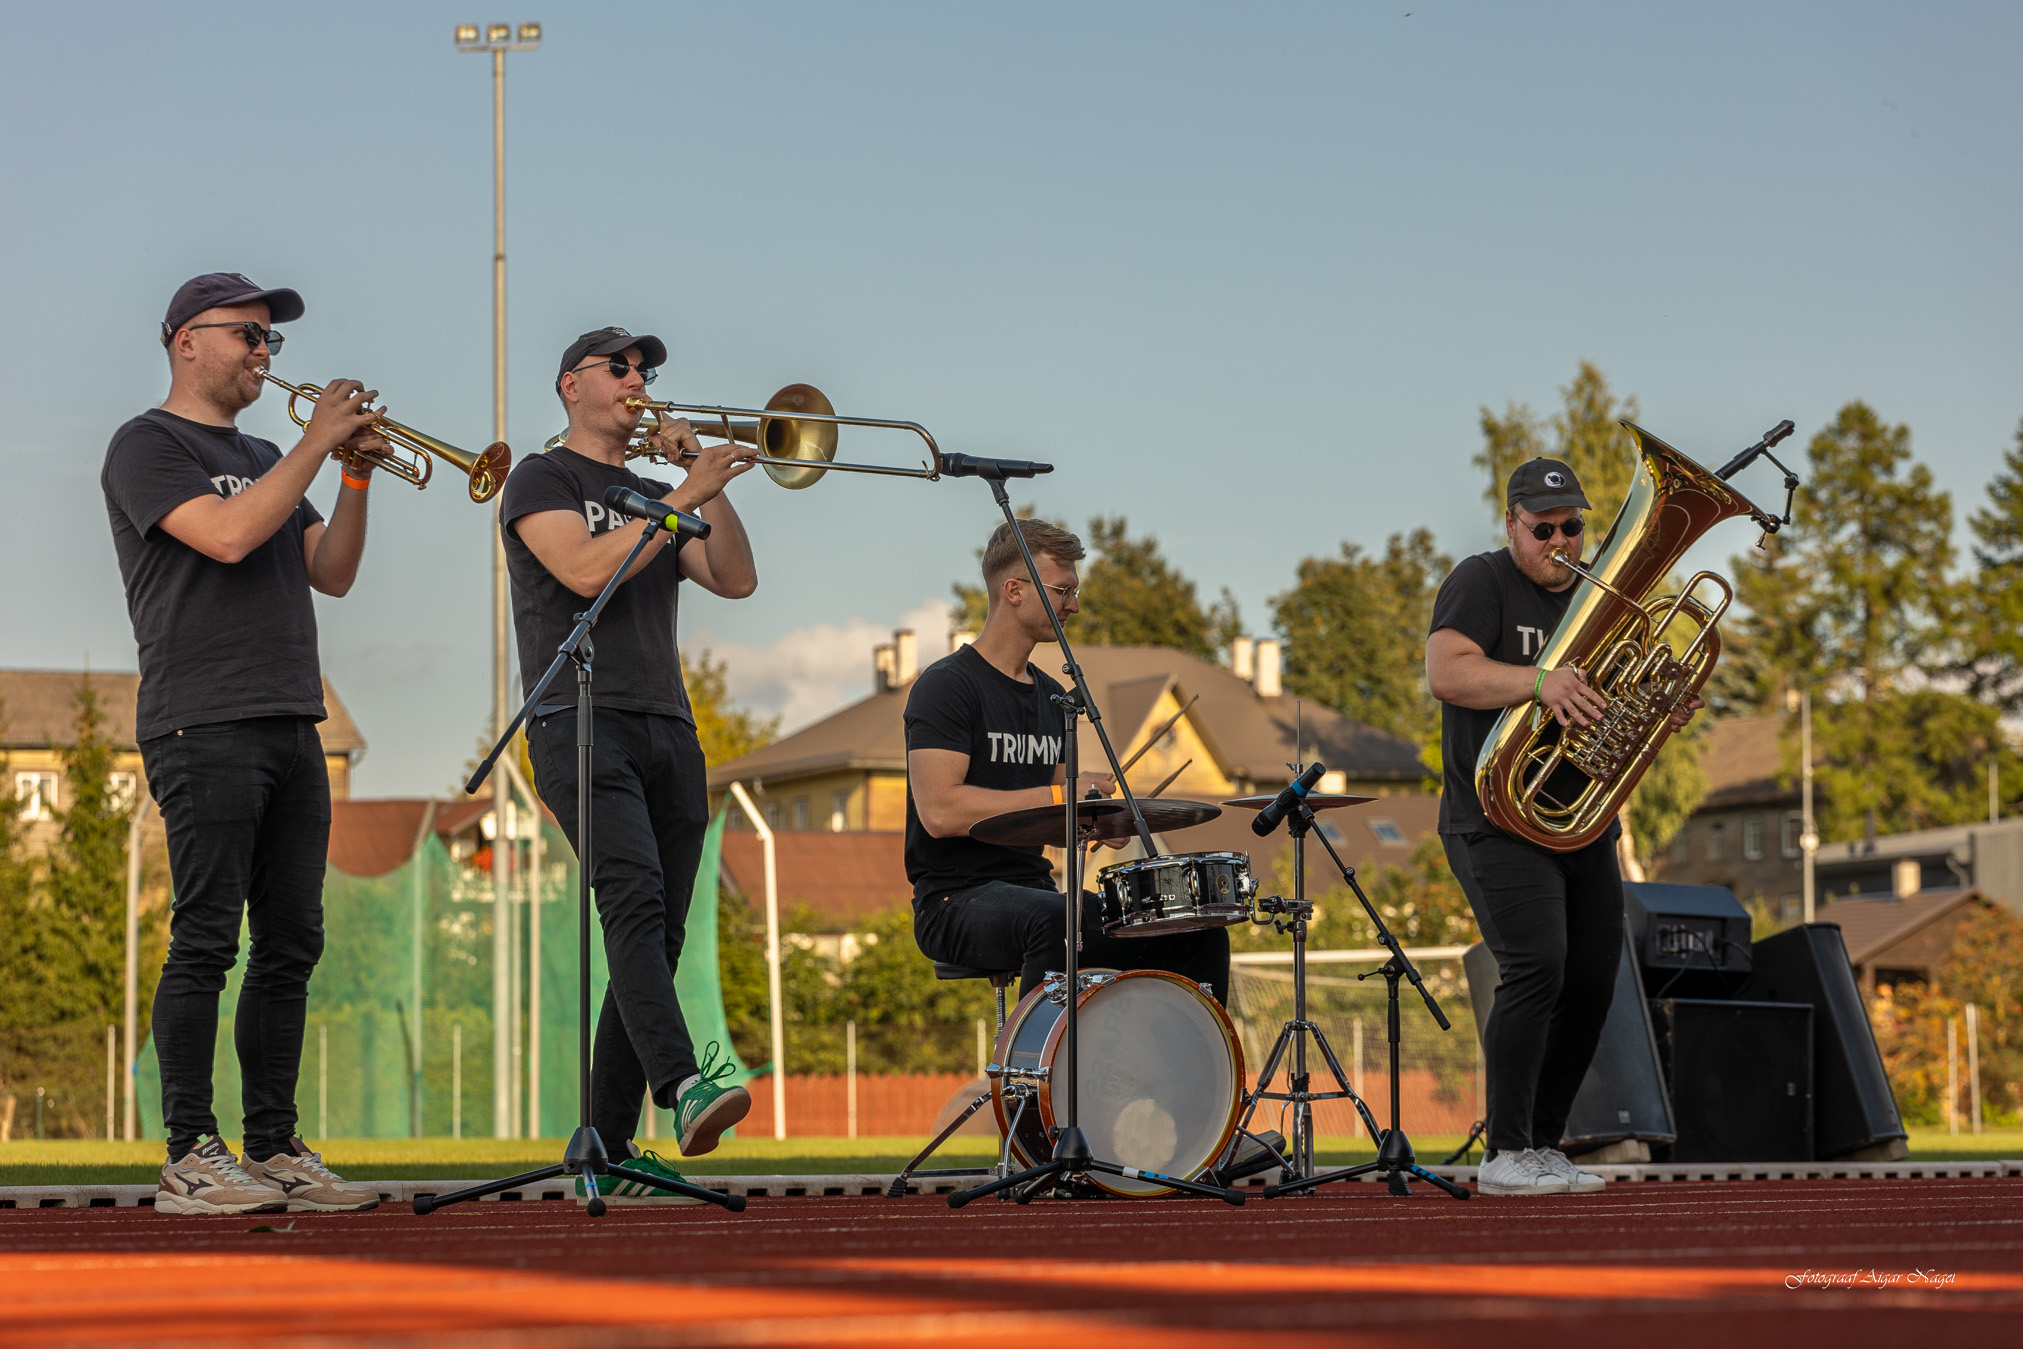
x: 1154, y: 738
x: 1160, y: 790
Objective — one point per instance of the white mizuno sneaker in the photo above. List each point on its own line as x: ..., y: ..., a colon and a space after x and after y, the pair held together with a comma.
x: 1577, y: 1180
x: 1518, y: 1173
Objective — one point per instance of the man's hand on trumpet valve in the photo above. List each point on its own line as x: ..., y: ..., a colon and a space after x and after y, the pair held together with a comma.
x: 341, y: 414
x: 713, y: 466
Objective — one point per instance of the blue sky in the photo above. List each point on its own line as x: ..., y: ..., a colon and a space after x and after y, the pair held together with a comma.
x: 1246, y: 274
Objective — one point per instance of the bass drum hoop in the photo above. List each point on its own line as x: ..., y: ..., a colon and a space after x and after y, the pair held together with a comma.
x: 1043, y: 1100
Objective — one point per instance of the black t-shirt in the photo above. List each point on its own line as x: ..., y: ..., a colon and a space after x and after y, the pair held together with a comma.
x: 1012, y: 733
x: 219, y: 641
x: 1511, y: 617
x: 635, y: 668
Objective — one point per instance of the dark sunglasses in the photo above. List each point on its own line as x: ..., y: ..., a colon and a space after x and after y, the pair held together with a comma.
x: 1568, y: 529
x: 620, y: 368
x: 252, y: 332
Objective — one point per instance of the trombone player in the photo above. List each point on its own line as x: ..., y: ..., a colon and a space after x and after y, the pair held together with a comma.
x: 649, y: 801
x: 218, y: 549
x: 1554, y: 920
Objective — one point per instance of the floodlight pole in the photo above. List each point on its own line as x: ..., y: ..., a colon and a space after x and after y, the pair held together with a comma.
x: 498, y: 39
x: 776, y: 1016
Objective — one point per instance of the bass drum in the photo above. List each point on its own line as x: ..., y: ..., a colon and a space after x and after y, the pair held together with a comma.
x: 1161, y: 1076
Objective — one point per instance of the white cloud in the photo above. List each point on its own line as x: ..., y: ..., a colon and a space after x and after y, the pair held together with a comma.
x: 804, y: 675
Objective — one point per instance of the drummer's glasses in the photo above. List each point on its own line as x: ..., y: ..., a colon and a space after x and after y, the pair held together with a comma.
x: 1065, y: 592
x: 1569, y: 529
x: 254, y: 334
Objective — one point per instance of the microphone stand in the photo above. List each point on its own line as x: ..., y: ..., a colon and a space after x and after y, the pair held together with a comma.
x: 1395, y: 1160
x: 1072, y: 1154
x: 585, y: 1155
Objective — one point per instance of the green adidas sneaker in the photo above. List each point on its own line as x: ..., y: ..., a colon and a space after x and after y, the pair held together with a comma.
x: 709, y: 1106
x: 618, y: 1190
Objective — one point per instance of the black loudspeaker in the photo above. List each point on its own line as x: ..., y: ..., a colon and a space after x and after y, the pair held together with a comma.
x: 1854, y: 1113
x: 1691, y: 940
x: 1623, y: 1095
x: 1741, y: 1075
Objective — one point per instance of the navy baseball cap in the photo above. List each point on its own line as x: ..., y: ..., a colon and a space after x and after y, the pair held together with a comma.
x: 1544, y: 485
x: 214, y: 290
x: 609, y: 342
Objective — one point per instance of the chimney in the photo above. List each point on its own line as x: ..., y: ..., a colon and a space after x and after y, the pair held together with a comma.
x: 1908, y: 877
x: 905, y: 657
x: 882, y: 664
x: 1266, y: 680
x: 1240, y: 650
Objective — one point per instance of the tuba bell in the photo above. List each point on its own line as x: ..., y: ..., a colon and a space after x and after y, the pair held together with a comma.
x: 1646, y: 652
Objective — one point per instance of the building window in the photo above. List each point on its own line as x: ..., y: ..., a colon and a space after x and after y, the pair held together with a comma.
x: 124, y: 789
x: 1387, y: 831
x: 37, y: 794
x: 800, y: 812
x: 773, y: 815
x: 1752, y: 838
x: 1682, y: 845
x: 839, y: 812
x: 1792, y: 831
x: 1717, y: 840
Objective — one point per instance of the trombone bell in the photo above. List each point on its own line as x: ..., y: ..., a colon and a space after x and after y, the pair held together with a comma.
x: 809, y: 443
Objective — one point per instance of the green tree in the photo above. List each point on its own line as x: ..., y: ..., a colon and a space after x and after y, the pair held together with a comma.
x: 1984, y: 967
x: 1670, y: 790
x: 1584, y: 434
x: 1355, y: 633
x: 725, y: 730
x: 1992, y: 607
x: 87, y: 867
x: 1133, y: 596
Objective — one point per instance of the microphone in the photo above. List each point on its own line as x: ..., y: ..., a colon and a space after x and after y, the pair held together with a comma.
x: 1748, y: 456
x: 1282, y: 804
x: 625, y: 501
x: 969, y: 466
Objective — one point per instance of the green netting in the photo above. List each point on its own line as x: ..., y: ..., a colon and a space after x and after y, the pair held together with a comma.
x: 371, y: 1069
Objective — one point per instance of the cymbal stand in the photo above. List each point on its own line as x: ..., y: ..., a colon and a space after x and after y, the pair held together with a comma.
x: 1072, y: 1154
x: 1395, y: 1160
x: 1292, y: 915
x: 585, y: 1155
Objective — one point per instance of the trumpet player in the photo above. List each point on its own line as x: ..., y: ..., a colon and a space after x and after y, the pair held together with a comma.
x: 219, y: 548
x: 648, y: 797
x: 1553, y: 920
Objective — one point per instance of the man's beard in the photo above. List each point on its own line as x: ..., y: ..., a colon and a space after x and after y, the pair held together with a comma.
x: 227, y: 388
x: 1545, y: 571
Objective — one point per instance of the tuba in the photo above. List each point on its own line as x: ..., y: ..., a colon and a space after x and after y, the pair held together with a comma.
x: 1645, y: 652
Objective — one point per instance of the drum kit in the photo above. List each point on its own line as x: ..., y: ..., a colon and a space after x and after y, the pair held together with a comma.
x: 1162, y: 1075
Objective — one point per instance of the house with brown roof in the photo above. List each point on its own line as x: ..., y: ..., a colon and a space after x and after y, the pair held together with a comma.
x: 1893, y: 939
x: 1744, y: 836
x: 38, y: 715
x: 835, y: 791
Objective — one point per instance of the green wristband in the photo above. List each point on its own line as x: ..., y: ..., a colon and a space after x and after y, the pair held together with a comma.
x: 1538, y: 684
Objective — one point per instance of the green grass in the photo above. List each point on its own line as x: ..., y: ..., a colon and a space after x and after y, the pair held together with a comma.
x: 69, y: 1162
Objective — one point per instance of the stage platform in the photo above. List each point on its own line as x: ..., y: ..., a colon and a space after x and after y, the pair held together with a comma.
x: 1791, y: 1263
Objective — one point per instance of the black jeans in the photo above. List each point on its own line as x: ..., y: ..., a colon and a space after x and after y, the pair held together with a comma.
x: 1001, y: 926
x: 1554, y: 922
x: 247, y: 807
x: 649, y: 813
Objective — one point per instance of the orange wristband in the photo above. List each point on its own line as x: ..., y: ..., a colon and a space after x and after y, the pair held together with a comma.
x: 360, y: 483
x: 1060, y: 798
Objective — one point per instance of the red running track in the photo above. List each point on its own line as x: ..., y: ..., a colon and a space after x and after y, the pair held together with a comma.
x: 1648, y: 1266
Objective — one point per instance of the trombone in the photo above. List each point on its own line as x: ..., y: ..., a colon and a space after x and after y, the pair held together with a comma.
x: 410, y: 459
x: 796, y: 449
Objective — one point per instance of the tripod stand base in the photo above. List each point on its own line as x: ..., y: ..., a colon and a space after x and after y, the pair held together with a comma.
x: 584, y: 1157
x: 1395, y: 1163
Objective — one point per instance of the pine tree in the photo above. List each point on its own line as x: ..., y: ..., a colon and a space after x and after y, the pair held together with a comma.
x: 87, y: 867
x: 1992, y: 609
x: 1355, y: 632
x: 1584, y: 434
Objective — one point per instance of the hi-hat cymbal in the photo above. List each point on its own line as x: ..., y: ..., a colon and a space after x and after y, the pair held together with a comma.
x: 1106, y: 818
x: 1314, y: 800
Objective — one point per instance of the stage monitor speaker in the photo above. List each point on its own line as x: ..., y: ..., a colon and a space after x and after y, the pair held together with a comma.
x: 1623, y: 1094
x: 1691, y: 940
x: 1741, y: 1075
x: 1854, y: 1112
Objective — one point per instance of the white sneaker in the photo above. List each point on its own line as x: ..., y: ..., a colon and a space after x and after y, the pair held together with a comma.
x: 208, y: 1180
x: 1577, y: 1180
x: 1518, y: 1173
x: 311, y: 1186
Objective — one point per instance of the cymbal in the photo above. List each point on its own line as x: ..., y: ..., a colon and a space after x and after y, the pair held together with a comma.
x: 1106, y: 818
x: 1314, y: 800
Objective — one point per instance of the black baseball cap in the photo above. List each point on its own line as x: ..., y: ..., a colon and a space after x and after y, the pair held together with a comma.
x: 609, y: 342
x: 214, y: 290
x: 1544, y: 485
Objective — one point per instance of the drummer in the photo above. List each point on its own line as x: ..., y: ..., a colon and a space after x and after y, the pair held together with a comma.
x: 983, y: 737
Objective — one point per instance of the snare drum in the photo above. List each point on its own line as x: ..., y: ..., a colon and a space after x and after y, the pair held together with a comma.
x: 1180, y: 892
x: 1161, y: 1075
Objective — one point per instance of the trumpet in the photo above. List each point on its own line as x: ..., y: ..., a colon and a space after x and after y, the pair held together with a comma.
x: 795, y: 433
x: 413, y: 451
